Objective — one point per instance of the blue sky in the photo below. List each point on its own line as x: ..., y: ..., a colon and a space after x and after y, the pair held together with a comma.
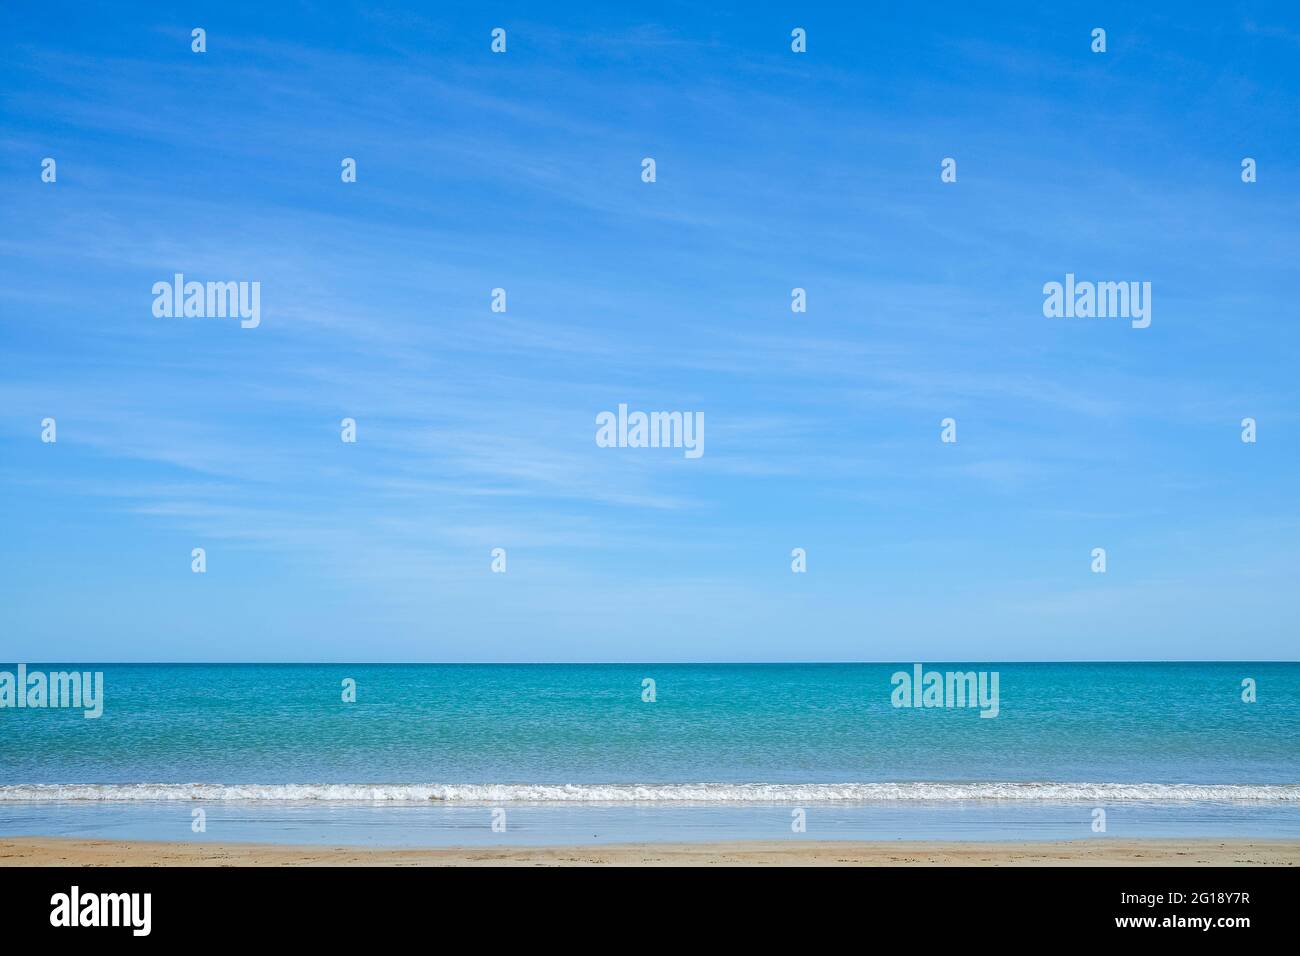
x: 476, y: 430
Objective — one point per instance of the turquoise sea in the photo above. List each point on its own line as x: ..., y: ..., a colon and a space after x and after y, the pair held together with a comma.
x: 569, y: 753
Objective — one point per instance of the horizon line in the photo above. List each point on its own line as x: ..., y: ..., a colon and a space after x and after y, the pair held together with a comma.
x: 340, y: 663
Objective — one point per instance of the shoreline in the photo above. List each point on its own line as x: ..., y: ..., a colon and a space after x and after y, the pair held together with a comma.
x: 1101, y: 851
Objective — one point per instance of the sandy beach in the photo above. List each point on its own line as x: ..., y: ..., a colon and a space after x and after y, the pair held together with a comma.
x: 47, y: 851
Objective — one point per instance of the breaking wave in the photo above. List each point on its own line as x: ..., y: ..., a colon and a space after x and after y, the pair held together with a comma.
x: 656, y: 793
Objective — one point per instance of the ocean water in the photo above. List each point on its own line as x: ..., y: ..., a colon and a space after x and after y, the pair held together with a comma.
x: 432, y: 754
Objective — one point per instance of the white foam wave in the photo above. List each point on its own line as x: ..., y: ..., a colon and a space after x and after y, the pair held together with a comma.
x: 655, y: 793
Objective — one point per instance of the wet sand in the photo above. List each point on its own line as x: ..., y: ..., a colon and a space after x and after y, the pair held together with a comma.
x: 56, y: 851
